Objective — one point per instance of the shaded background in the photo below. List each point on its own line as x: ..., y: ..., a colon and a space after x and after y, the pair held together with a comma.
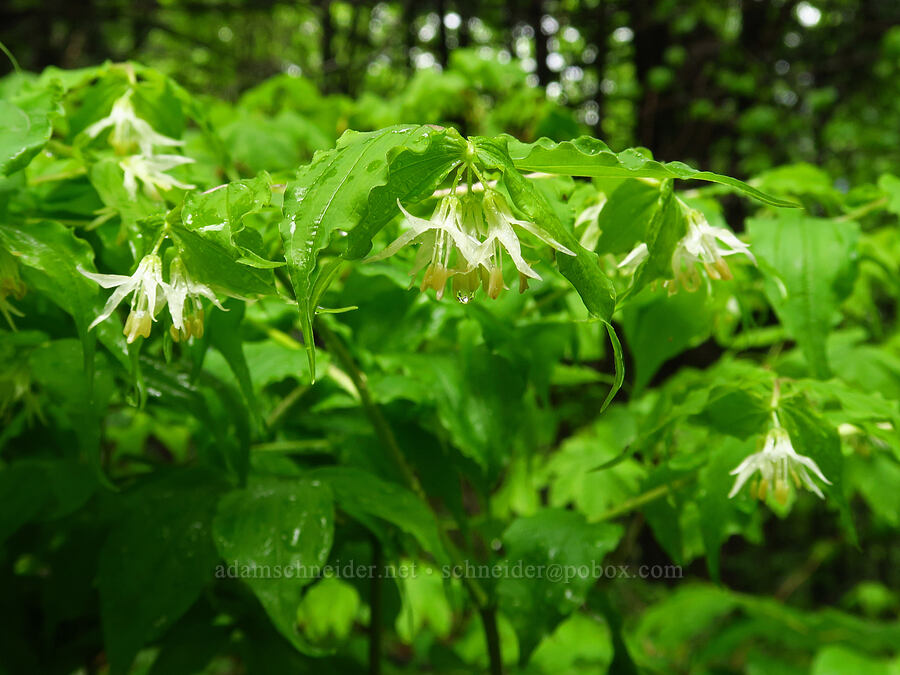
x: 733, y: 86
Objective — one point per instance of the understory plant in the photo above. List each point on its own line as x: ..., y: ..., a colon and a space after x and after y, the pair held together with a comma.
x: 433, y: 403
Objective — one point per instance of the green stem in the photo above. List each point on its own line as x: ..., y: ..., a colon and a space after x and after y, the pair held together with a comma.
x: 637, y: 502
x: 308, y: 446
x: 863, y: 210
x: 63, y: 175
x: 492, y: 637
x: 376, y: 620
x: 285, y: 404
x: 386, y: 435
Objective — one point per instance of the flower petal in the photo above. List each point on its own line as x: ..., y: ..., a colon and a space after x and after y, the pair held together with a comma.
x: 107, y: 280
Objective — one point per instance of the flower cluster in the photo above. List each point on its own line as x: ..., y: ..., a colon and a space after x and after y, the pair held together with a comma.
x: 465, y: 240
x: 133, y: 137
x: 776, y: 463
x: 149, y: 294
x: 704, y: 244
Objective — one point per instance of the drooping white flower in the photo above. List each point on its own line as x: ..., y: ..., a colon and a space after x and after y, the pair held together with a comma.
x: 146, y: 286
x: 446, y: 249
x: 150, y: 170
x: 183, y: 295
x: 500, y: 236
x: 634, y: 259
x: 587, y: 222
x: 704, y: 244
x: 130, y: 132
x: 776, y: 463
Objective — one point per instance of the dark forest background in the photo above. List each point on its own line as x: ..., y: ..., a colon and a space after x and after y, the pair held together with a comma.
x: 734, y: 86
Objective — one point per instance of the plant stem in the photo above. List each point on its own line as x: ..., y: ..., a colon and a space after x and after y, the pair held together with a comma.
x: 382, y: 428
x: 492, y: 637
x: 375, y: 614
x: 863, y: 210
x: 285, y: 404
x: 649, y: 496
x: 386, y: 435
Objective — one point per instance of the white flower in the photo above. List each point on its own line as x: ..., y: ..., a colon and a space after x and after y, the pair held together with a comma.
x: 634, y: 259
x: 150, y: 170
x: 147, y: 287
x: 445, y: 248
x: 701, y: 244
x: 589, y: 218
x: 129, y: 132
x: 183, y: 296
x: 499, y: 235
x: 776, y: 462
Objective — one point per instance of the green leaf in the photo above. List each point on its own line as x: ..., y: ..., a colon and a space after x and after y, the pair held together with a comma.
x: 737, y: 412
x: 51, y: 254
x: 839, y: 660
x: 156, y: 561
x: 659, y: 326
x: 890, y: 185
x: 108, y: 179
x: 219, y: 214
x: 479, y: 402
x: 367, y: 498
x: 587, y: 156
x: 624, y: 217
x: 219, y: 264
x: 26, y: 124
x: 665, y: 230
x: 619, y: 360
x: 276, y: 535
x: 561, y: 541
x: 810, y: 265
x: 717, y: 512
x: 225, y: 335
x: 357, y: 185
x: 21, y: 488
x: 817, y: 439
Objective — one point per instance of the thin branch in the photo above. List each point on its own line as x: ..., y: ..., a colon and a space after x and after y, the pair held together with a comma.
x: 640, y: 500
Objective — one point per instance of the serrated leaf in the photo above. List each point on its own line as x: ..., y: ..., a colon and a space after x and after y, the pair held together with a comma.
x: 588, y: 156
x: 357, y: 185
x: 219, y: 214
x: 282, y: 525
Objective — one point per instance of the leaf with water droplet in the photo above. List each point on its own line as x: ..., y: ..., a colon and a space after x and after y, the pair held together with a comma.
x: 276, y: 534
x: 333, y: 194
